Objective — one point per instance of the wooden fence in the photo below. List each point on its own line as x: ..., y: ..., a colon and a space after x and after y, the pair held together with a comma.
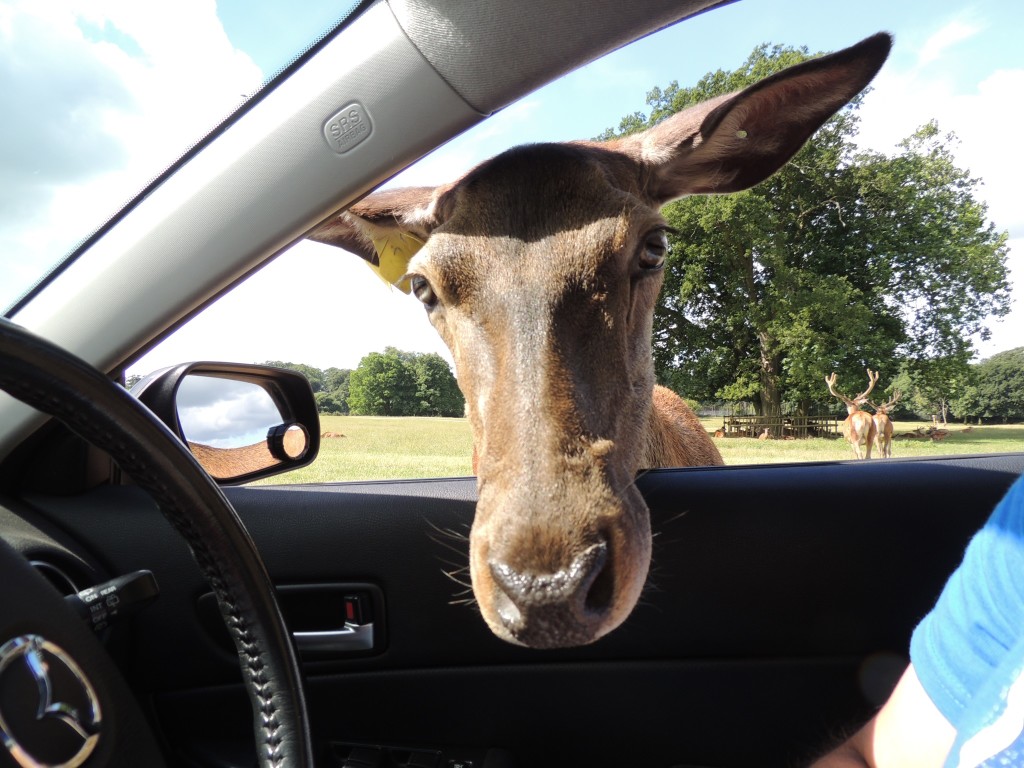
x: 781, y: 426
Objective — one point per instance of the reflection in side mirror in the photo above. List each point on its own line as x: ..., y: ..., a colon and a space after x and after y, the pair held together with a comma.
x: 234, y: 428
x: 240, y: 422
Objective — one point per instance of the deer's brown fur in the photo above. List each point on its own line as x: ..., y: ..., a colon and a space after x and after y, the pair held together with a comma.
x: 859, y: 427
x: 541, y: 268
x: 883, y: 425
x: 233, y: 462
x: 676, y: 438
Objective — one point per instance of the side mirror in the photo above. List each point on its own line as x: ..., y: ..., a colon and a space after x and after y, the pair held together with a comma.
x: 241, y: 422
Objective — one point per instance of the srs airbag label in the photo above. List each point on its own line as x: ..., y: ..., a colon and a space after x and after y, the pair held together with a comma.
x: 347, y: 128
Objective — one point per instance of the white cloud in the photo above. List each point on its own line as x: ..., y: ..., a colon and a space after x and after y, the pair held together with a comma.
x: 225, y: 413
x: 97, y: 99
x: 985, y: 120
x: 952, y: 33
x: 188, y: 77
x: 55, y: 95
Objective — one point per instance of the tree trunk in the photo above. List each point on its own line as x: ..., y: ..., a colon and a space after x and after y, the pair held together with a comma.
x: 771, y: 393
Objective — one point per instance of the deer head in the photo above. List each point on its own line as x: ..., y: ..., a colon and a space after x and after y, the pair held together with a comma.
x: 853, y: 404
x: 540, y: 269
x: 884, y: 408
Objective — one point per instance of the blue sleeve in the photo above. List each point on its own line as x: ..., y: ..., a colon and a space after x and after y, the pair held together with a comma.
x: 979, y: 617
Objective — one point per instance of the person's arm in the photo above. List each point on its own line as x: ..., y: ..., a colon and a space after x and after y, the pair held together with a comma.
x: 955, y: 649
x: 908, y: 732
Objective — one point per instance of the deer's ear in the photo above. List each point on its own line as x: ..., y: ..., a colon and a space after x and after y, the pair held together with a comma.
x: 735, y: 141
x: 393, y: 213
x: 386, y: 229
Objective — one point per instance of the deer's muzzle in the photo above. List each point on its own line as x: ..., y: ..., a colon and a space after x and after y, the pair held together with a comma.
x: 555, y: 609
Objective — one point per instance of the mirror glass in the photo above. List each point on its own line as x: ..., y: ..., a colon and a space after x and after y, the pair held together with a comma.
x: 233, y: 427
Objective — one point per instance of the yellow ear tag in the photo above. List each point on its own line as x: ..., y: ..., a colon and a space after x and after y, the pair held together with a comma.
x: 393, y: 254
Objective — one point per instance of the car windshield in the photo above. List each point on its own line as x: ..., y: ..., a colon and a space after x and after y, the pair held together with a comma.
x: 100, y: 98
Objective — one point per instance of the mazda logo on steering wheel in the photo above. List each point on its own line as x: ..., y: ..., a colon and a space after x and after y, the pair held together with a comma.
x: 49, y: 711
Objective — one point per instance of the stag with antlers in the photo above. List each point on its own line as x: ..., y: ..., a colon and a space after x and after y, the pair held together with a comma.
x: 883, y: 425
x: 859, y: 427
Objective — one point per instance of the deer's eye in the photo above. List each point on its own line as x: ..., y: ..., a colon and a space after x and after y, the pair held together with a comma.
x: 655, y: 249
x: 421, y: 290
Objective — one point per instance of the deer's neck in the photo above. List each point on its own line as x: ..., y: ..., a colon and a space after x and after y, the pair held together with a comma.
x: 675, y: 437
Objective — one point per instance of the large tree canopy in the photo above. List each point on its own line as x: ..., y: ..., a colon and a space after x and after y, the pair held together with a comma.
x: 397, y: 383
x: 843, y: 260
x: 437, y: 391
x: 388, y: 383
x: 996, y: 389
x: 383, y: 384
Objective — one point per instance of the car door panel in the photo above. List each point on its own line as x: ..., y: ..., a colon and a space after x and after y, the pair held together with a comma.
x: 780, y: 605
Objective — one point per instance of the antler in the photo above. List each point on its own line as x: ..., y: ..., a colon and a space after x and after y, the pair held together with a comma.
x: 872, y: 380
x: 853, y: 401
x: 884, y: 407
x: 831, y: 382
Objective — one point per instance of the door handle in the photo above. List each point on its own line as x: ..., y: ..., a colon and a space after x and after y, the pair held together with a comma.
x: 330, y: 620
x: 351, y: 637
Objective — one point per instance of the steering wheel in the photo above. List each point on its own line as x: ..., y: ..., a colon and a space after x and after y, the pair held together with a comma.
x: 43, y: 639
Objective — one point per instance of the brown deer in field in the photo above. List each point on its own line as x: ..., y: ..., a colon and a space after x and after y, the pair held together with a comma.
x: 540, y: 268
x: 883, y: 425
x: 859, y: 427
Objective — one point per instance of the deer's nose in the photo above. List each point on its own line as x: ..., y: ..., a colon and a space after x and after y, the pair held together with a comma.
x: 563, y: 608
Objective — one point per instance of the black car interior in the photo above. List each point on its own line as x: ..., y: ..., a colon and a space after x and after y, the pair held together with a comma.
x: 776, y: 618
x: 778, y: 613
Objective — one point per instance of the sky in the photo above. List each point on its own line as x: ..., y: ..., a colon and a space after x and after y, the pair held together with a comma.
x: 98, y: 97
x: 225, y: 413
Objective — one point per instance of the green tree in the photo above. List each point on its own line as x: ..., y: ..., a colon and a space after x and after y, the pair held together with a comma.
x: 331, y: 402
x: 336, y: 379
x: 999, y: 388
x: 935, y: 387
x: 841, y: 261
x: 314, y: 375
x: 336, y: 388
x: 383, y: 384
x: 436, y: 388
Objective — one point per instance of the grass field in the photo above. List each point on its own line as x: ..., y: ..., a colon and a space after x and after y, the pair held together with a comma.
x: 960, y: 440
x: 381, y: 447
x: 376, y: 448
